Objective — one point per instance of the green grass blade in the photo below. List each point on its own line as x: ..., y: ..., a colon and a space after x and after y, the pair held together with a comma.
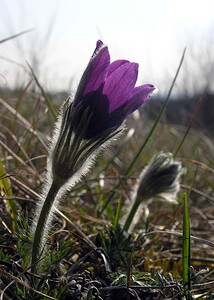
x: 186, y: 248
x: 47, y: 100
x: 158, y: 118
x: 5, y: 189
x: 117, y: 217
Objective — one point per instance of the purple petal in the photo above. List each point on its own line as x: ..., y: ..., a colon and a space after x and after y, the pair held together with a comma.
x: 97, y: 69
x: 95, y: 73
x: 115, y: 65
x: 138, y: 97
x: 99, y: 45
x: 120, y: 84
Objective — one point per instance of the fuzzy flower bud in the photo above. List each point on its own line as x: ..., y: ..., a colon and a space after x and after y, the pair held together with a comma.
x: 160, y: 179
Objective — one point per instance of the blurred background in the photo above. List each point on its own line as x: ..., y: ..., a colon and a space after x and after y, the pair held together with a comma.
x: 64, y: 32
x: 153, y: 33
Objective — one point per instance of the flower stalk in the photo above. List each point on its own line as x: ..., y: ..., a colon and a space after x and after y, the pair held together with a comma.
x: 41, y: 224
x: 105, y: 97
x: 132, y: 214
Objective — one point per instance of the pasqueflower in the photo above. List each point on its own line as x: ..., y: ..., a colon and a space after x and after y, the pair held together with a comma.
x: 106, y: 95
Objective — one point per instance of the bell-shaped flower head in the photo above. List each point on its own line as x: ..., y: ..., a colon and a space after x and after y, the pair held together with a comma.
x: 106, y: 95
x: 108, y: 91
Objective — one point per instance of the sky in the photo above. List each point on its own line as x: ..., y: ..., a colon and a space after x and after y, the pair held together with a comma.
x: 64, y: 33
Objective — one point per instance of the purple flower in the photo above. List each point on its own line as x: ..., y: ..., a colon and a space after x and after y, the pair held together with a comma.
x: 106, y: 95
x: 107, y: 90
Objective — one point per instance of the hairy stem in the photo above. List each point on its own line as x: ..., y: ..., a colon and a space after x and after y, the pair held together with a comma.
x: 131, y: 215
x: 42, y: 223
